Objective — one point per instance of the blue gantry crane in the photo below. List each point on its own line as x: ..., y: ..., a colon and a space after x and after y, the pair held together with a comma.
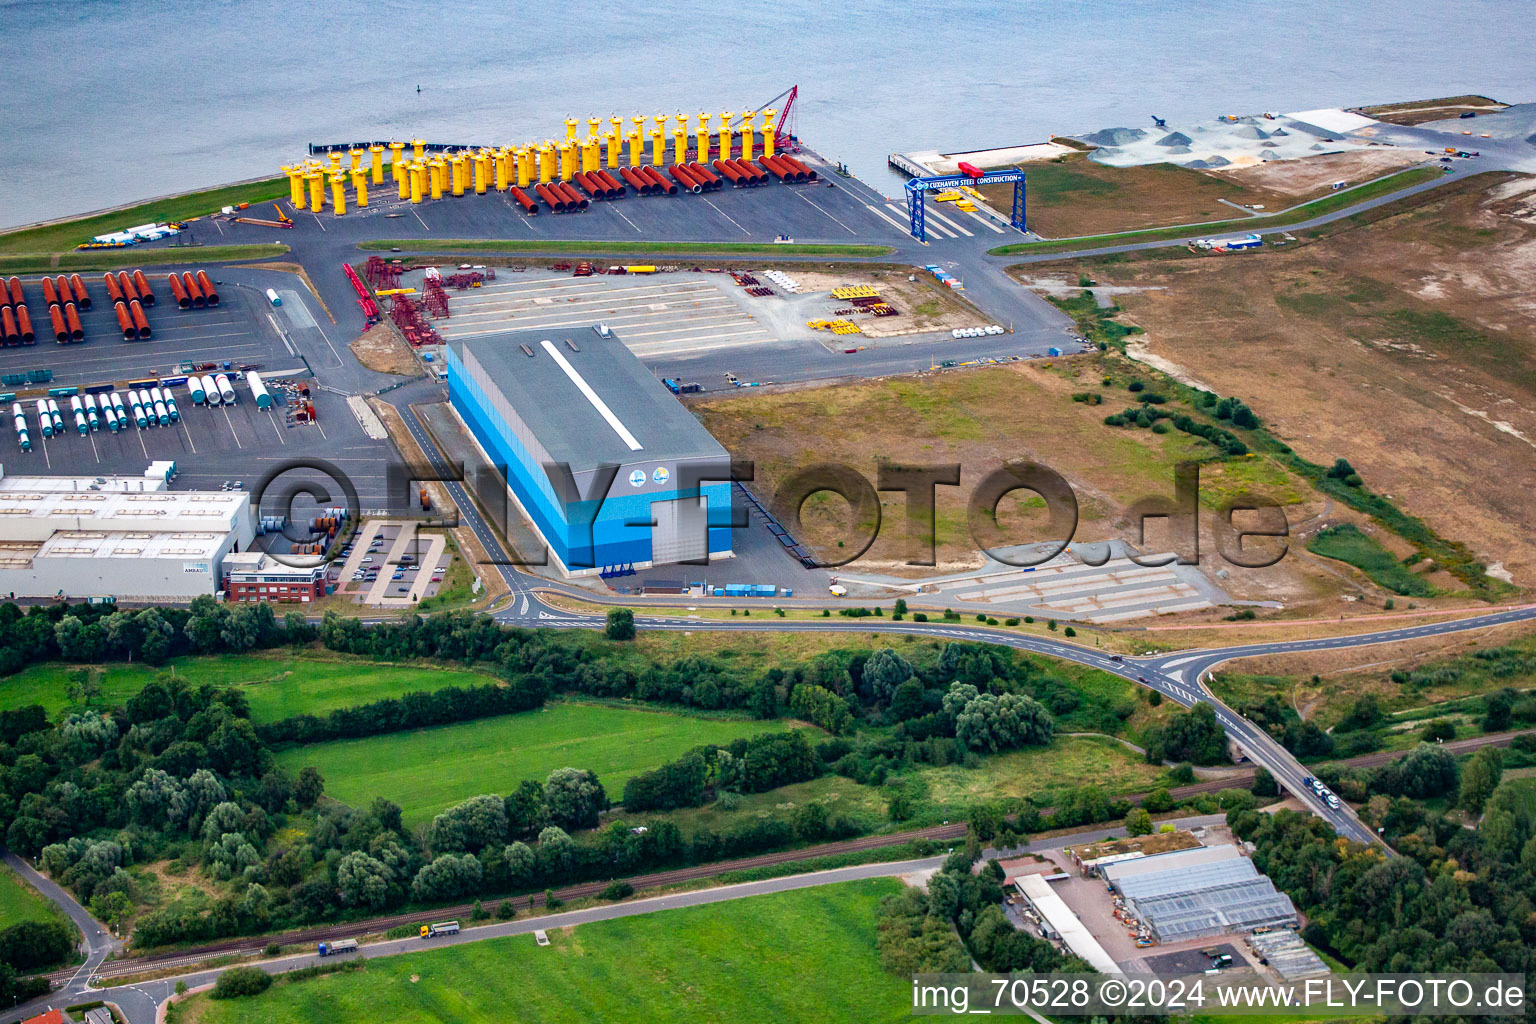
x: 918, y: 187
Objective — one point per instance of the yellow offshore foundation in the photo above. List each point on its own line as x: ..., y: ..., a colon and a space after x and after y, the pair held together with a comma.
x: 726, y: 117
x: 680, y: 139
x: 295, y: 186
x: 419, y: 175
x: 746, y: 135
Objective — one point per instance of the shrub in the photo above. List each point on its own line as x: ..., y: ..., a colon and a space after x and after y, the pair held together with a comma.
x: 617, y: 890
x: 1014, y: 621
x: 241, y: 981
x: 1069, y: 631
x: 1135, y: 385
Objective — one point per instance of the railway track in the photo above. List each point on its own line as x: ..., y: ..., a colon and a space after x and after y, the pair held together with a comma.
x: 935, y: 833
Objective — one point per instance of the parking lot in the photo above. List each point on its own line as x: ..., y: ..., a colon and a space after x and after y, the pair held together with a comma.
x: 392, y: 564
x: 240, y: 330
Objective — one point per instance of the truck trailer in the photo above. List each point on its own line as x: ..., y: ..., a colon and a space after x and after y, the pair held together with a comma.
x: 339, y: 946
x: 432, y: 931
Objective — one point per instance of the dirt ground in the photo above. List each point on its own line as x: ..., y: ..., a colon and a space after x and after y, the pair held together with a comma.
x: 1074, y: 196
x: 1380, y: 659
x: 923, y: 304
x: 1304, y: 179
x: 980, y: 418
x: 1407, y: 347
x: 381, y: 350
x: 1420, y: 111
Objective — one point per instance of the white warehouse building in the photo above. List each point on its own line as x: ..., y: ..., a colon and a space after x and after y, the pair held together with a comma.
x: 125, y: 537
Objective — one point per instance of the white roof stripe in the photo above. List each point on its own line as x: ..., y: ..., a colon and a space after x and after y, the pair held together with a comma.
x: 592, y: 396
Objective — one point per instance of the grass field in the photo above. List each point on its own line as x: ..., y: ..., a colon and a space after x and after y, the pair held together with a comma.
x: 278, y: 685
x: 1346, y: 543
x: 20, y: 902
x: 622, y: 248
x: 1305, y: 211
x: 1042, y: 774
x: 1075, y: 196
x: 807, y: 955
x: 69, y: 233
x: 112, y: 259
x: 428, y: 770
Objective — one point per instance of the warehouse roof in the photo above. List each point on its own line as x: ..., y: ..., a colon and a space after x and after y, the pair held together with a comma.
x: 1119, y: 874
x: 33, y: 507
x: 588, y: 399
x: 1054, y: 910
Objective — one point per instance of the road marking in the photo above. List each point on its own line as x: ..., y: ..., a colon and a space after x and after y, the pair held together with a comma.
x: 878, y: 212
x: 985, y: 222
x: 818, y: 206
x: 628, y: 221
x: 419, y: 220
x: 726, y: 216
x: 949, y: 223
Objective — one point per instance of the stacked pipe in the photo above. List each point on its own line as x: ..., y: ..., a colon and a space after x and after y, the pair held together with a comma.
x: 615, y: 190
x: 194, y: 292
x: 810, y: 175
x: 179, y: 292
x: 530, y: 207
x: 82, y: 297
x: 659, y: 184
x: 16, y: 297
x: 707, y: 178
x: 682, y: 176
x: 364, y: 298
x: 639, y: 182
x: 125, y: 321
x: 554, y: 200
x: 781, y: 171
x: 141, y: 282
x: 731, y: 173
x: 576, y: 200
x: 209, y: 291
x: 72, y: 321
x: 140, y: 321
x: 129, y: 289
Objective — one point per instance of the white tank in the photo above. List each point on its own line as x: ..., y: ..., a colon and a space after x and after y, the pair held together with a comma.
x: 43, y: 418
x: 109, y: 414
x: 170, y: 407
x: 155, y: 395
x: 258, y: 390
x: 162, y: 414
x: 226, y: 389
x: 53, y: 414
x: 195, y: 389
x: 210, y: 390
x: 75, y: 405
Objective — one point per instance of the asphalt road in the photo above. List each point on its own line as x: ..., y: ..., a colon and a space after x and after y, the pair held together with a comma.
x: 140, y: 1002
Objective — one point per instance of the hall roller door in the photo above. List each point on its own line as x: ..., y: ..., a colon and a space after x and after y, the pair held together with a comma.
x: 679, y: 531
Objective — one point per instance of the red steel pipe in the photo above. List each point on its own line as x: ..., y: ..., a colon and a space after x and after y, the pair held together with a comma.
x: 656, y: 180
x: 146, y: 295
x: 575, y: 199
x: 82, y: 297
x: 782, y: 165
x: 530, y: 207
x: 553, y: 199
x: 730, y: 172
x: 749, y: 175
x: 72, y: 318
x: 810, y: 175
x: 590, y: 187
x: 130, y: 292
x: 199, y: 300
x: 707, y: 178
x: 114, y: 293
x: 641, y: 184
x: 60, y: 332
x: 136, y: 310
x: 683, y: 178
x: 50, y: 294
x: 16, y: 296
x: 777, y: 171
x: 209, y: 291
x: 8, y: 331
x: 183, y: 300
x: 757, y: 172
x: 615, y: 190
x: 24, y: 326
x: 66, y: 293
x: 125, y: 321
